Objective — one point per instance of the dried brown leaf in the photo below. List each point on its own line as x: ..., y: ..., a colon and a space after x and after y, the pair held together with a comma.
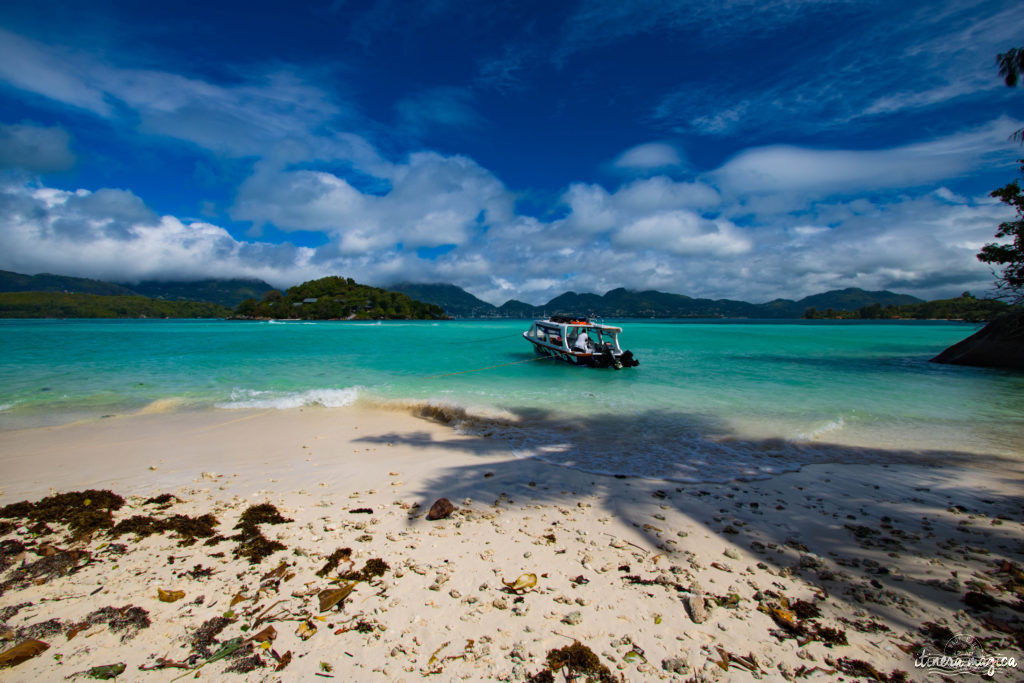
x: 169, y: 596
x: 332, y: 596
x: 22, y: 652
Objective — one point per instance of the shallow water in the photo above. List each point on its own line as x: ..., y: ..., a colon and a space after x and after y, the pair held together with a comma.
x: 710, y: 399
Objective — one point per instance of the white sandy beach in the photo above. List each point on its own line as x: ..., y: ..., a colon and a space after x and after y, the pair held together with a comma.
x: 624, y: 566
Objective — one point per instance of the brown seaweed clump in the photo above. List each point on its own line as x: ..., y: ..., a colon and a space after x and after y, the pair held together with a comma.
x: 579, y: 661
x: 264, y: 513
x: 334, y: 559
x: 81, y: 511
x: 127, y: 620
x: 9, y: 550
x: 162, y: 499
x: 205, y: 636
x: 45, y: 568
x: 188, y: 529
x: 245, y: 664
x: 252, y: 544
x: 856, y: 667
x: 373, y: 568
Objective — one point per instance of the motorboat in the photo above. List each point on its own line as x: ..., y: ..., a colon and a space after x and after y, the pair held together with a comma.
x: 580, y: 341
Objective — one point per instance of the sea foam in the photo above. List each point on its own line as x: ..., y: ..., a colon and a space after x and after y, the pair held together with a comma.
x: 328, y: 398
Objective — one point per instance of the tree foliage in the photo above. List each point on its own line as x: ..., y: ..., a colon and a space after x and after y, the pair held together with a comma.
x: 337, y: 298
x: 964, y: 307
x: 1009, y: 256
x: 1011, y: 65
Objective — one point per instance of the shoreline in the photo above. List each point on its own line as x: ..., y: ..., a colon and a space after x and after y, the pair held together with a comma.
x: 869, y: 546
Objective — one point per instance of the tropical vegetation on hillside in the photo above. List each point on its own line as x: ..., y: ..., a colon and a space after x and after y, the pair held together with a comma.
x: 63, y: 305
x: 964, y: 307
x: 226, y: 292
x: 337, y: 298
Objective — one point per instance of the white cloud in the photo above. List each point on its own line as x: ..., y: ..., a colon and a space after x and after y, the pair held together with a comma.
x: 683, y: 233
x: 243, y: 119
x: 433, y: 200
x: 894, y: 58
x: 36, y: 149
x: 649, y: 156
x: 815, y: 172
x: 795, y: 237
x: 111, y: 234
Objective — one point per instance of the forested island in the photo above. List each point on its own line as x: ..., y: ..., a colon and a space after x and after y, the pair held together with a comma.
x: 965, y: 307
x: 337, y: 298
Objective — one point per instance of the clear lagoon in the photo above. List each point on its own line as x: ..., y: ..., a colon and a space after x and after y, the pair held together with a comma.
x: 710, y: 400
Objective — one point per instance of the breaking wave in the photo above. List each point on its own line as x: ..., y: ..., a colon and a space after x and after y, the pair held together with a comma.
x: 813, y: 434
x: 282, y: 400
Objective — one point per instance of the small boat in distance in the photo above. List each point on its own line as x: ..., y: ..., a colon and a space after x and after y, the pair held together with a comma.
x: 580, y: 341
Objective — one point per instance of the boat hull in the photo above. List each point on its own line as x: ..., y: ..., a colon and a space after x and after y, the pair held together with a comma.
x: 590, y: 360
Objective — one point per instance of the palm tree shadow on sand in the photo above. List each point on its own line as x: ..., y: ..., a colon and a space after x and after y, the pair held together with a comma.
x: 853, y: 537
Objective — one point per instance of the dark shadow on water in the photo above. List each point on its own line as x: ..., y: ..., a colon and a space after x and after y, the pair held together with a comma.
x: 914, y: 509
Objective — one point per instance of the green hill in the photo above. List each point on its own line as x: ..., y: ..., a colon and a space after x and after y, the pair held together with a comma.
x: 227, y: 293
x: 455, y: 301
x: 62, y: 305
x: 47, y: 282
x: 963, y: 307
x: 337, y: 298
x: 624, y: 303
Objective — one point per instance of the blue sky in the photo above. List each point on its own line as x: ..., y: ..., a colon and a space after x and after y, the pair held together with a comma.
x: 740, y: 149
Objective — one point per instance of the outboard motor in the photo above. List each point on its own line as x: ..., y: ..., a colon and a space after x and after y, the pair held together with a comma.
x: 627, y: 360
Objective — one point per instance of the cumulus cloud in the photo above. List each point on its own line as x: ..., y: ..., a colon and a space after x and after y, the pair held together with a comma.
x: 683, y: 233
x: 36, y: 149
x: 111, y: 234
x: 769, y: 222
x: 433, y: 200
x: 923, y: 245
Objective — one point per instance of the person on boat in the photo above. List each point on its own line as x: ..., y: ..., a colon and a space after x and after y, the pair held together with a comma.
x: 583, y: 343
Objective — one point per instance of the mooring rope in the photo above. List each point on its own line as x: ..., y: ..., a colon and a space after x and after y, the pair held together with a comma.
x: 489, y: 367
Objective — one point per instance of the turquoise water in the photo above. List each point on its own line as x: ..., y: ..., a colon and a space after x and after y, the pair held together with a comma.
x: 709, y: 399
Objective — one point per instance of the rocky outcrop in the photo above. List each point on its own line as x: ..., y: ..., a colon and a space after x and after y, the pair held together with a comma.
x: 1000, y: 344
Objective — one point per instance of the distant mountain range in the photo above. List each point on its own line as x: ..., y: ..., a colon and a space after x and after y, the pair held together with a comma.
x: 458, y: 303
x: 623, y: 303
x: 228, y: 293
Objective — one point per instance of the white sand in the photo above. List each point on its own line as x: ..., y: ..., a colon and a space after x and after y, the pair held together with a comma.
x: 514, y: 516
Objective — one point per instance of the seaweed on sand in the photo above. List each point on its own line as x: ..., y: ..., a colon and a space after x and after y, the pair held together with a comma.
x: 162, y: 499
x: 46, y: 568
x: 127, y: 620
x: 252, y: 544
x: 188, y: 529
x: 334, y: 559
x: 206, y: 635
x: 857, y: 667
x: 579, y: 661
x: 9, y: 550
x: 373, y: 568
x: 81, y: 511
